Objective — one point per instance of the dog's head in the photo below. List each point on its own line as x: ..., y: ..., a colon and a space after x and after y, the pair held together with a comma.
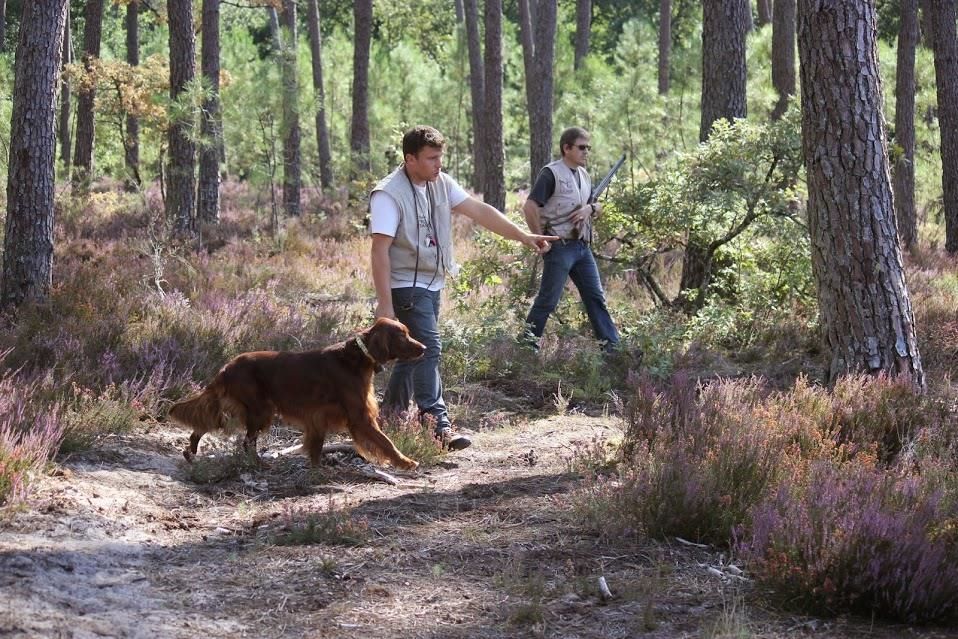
x: 388, y: 339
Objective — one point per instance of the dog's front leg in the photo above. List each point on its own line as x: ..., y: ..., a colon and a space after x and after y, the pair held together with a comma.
x: 190, y: 451
x: 313, y: 440
x: 249, y: 447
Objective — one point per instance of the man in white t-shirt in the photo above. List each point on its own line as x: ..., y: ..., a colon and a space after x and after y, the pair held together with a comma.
x: 412, y: 252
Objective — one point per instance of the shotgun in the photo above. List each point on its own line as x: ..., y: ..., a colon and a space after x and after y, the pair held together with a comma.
x: 597, y: 191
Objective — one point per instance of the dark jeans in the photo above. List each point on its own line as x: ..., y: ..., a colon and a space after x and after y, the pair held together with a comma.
x: 418, y: 309
x: 572, y: 258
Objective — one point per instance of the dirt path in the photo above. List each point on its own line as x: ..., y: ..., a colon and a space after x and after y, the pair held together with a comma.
x: 125, y: 545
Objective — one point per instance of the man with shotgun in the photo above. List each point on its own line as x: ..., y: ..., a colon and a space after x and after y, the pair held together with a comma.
x: 563, y: 203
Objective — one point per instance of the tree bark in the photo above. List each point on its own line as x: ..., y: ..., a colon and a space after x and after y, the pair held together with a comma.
x: 131, y: 142
x: 476, y: 91
x: 86, y: 97
x: 724, y: 27
x: 783, y: 54
x: 66, y: 143
x: 180, y: 178
x: 765, y: 13
x: 904, y: 176
x: 538, y: 48
x: 494, y: 186
x: 274, y: 30
x: 211, y: 126
x: 322, y: 132
x: 665, y: 44
x: 359, y: 131
x: 866, y: 314
x: 927, y: 28
x: 583, y: 30
x: 28, y: 237
x: 946, y: 78
x: 292, y: 170
x: 3, y: 25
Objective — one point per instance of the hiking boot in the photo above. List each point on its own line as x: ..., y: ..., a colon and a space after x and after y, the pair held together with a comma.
x: 527, y: 339
x: 451, y: 440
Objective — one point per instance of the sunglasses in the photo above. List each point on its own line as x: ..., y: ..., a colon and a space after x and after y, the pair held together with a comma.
x: 583, y: 147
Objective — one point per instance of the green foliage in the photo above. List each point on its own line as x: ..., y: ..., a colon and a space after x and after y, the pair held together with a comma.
x: 90, y: 416
x: 736, y: 198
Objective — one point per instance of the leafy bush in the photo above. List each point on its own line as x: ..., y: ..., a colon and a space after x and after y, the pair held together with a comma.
x: 413, y: 437
x: 30, y: 431
x: 698, y: 459
x: 856, y: 539
x: 90, y: 415
x: 842, y: 499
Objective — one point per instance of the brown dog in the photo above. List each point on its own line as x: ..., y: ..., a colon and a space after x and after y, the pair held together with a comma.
x: 319, y: 392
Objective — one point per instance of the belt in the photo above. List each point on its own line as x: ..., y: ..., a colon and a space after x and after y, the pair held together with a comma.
x: 570, y: 240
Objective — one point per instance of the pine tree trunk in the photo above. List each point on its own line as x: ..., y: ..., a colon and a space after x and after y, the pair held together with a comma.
x: 583, y: 30
x: 476, y: 91
x: 538, y: 26
x: 63, y: 131
x: 322, y: 132
x: 866, y: 314
x: 86, y: 97
x: 665, y: 44
x: 946, y: 78
x: 783, y: 54
x: 925, y: 22
x: 3, y: 25
x: 211, y: 127
x: 274, y: 30
x: 180, y: 172
x: 132, y: 139
x: 724, y: 27
x: 359, y: 131
x: 904, y: 176
x: 28, y: 236
x: 292, y: 171
x: 765, y: 14
x: 494, y: 187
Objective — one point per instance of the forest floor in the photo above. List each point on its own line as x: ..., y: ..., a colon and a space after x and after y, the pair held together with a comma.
x: 126, y: 543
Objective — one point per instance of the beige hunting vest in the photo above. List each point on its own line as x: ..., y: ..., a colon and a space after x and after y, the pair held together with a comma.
x: 421, y: 251
x: 567, y: 197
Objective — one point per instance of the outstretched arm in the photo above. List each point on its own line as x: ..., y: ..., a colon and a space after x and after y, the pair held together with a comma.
x: 488, y: 217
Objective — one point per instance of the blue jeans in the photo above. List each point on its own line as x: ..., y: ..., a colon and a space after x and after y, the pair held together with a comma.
x: 418, y: 309
x: 572, y: 258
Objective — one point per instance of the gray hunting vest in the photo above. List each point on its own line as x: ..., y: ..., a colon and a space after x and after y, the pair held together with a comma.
x: 421, y: 251
x: 567, y: 197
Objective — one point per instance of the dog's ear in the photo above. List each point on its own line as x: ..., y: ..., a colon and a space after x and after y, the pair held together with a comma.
x: 379, y: 339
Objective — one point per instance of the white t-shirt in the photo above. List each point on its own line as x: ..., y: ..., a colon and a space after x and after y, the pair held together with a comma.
x: 384, y: 218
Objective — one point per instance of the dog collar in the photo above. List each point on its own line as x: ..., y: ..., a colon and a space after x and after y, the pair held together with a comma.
x: 362, y: 347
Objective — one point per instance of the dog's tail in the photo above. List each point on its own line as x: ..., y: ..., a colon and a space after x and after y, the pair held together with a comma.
x: 202, y: 412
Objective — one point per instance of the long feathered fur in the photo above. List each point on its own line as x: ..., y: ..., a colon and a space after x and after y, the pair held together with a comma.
x: 319, y: 392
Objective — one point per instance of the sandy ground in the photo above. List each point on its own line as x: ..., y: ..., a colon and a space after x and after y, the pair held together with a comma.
x: 125, y: 542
